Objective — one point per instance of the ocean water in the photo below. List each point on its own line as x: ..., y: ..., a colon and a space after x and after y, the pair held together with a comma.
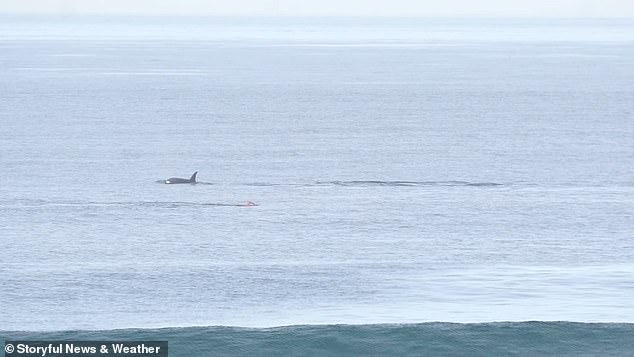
x: 416, y: 180
x: 429, y: 339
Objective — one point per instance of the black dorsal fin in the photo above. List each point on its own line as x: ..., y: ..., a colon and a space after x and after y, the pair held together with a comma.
x: 193, y: 178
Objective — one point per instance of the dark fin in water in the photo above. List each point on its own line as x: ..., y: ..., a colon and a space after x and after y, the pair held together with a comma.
x: 193, y: 178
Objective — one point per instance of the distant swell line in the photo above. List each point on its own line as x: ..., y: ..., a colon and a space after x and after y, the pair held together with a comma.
x: 366, y: 183
x: 164, y: 204
x: 377, y: 183
x: 411, y: 183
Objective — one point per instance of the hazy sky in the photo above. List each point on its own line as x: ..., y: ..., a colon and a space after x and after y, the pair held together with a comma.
x: 524, y: 8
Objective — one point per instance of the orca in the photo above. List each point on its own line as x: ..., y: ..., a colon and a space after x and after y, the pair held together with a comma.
x: 175, y: 180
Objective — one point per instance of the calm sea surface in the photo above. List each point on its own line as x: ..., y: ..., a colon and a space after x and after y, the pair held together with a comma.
x: 405, y: 171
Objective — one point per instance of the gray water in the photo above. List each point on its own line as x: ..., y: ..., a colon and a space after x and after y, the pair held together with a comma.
x: 405, y: 170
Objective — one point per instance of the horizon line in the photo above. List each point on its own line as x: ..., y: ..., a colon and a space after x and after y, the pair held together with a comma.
x: 306, y: 16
